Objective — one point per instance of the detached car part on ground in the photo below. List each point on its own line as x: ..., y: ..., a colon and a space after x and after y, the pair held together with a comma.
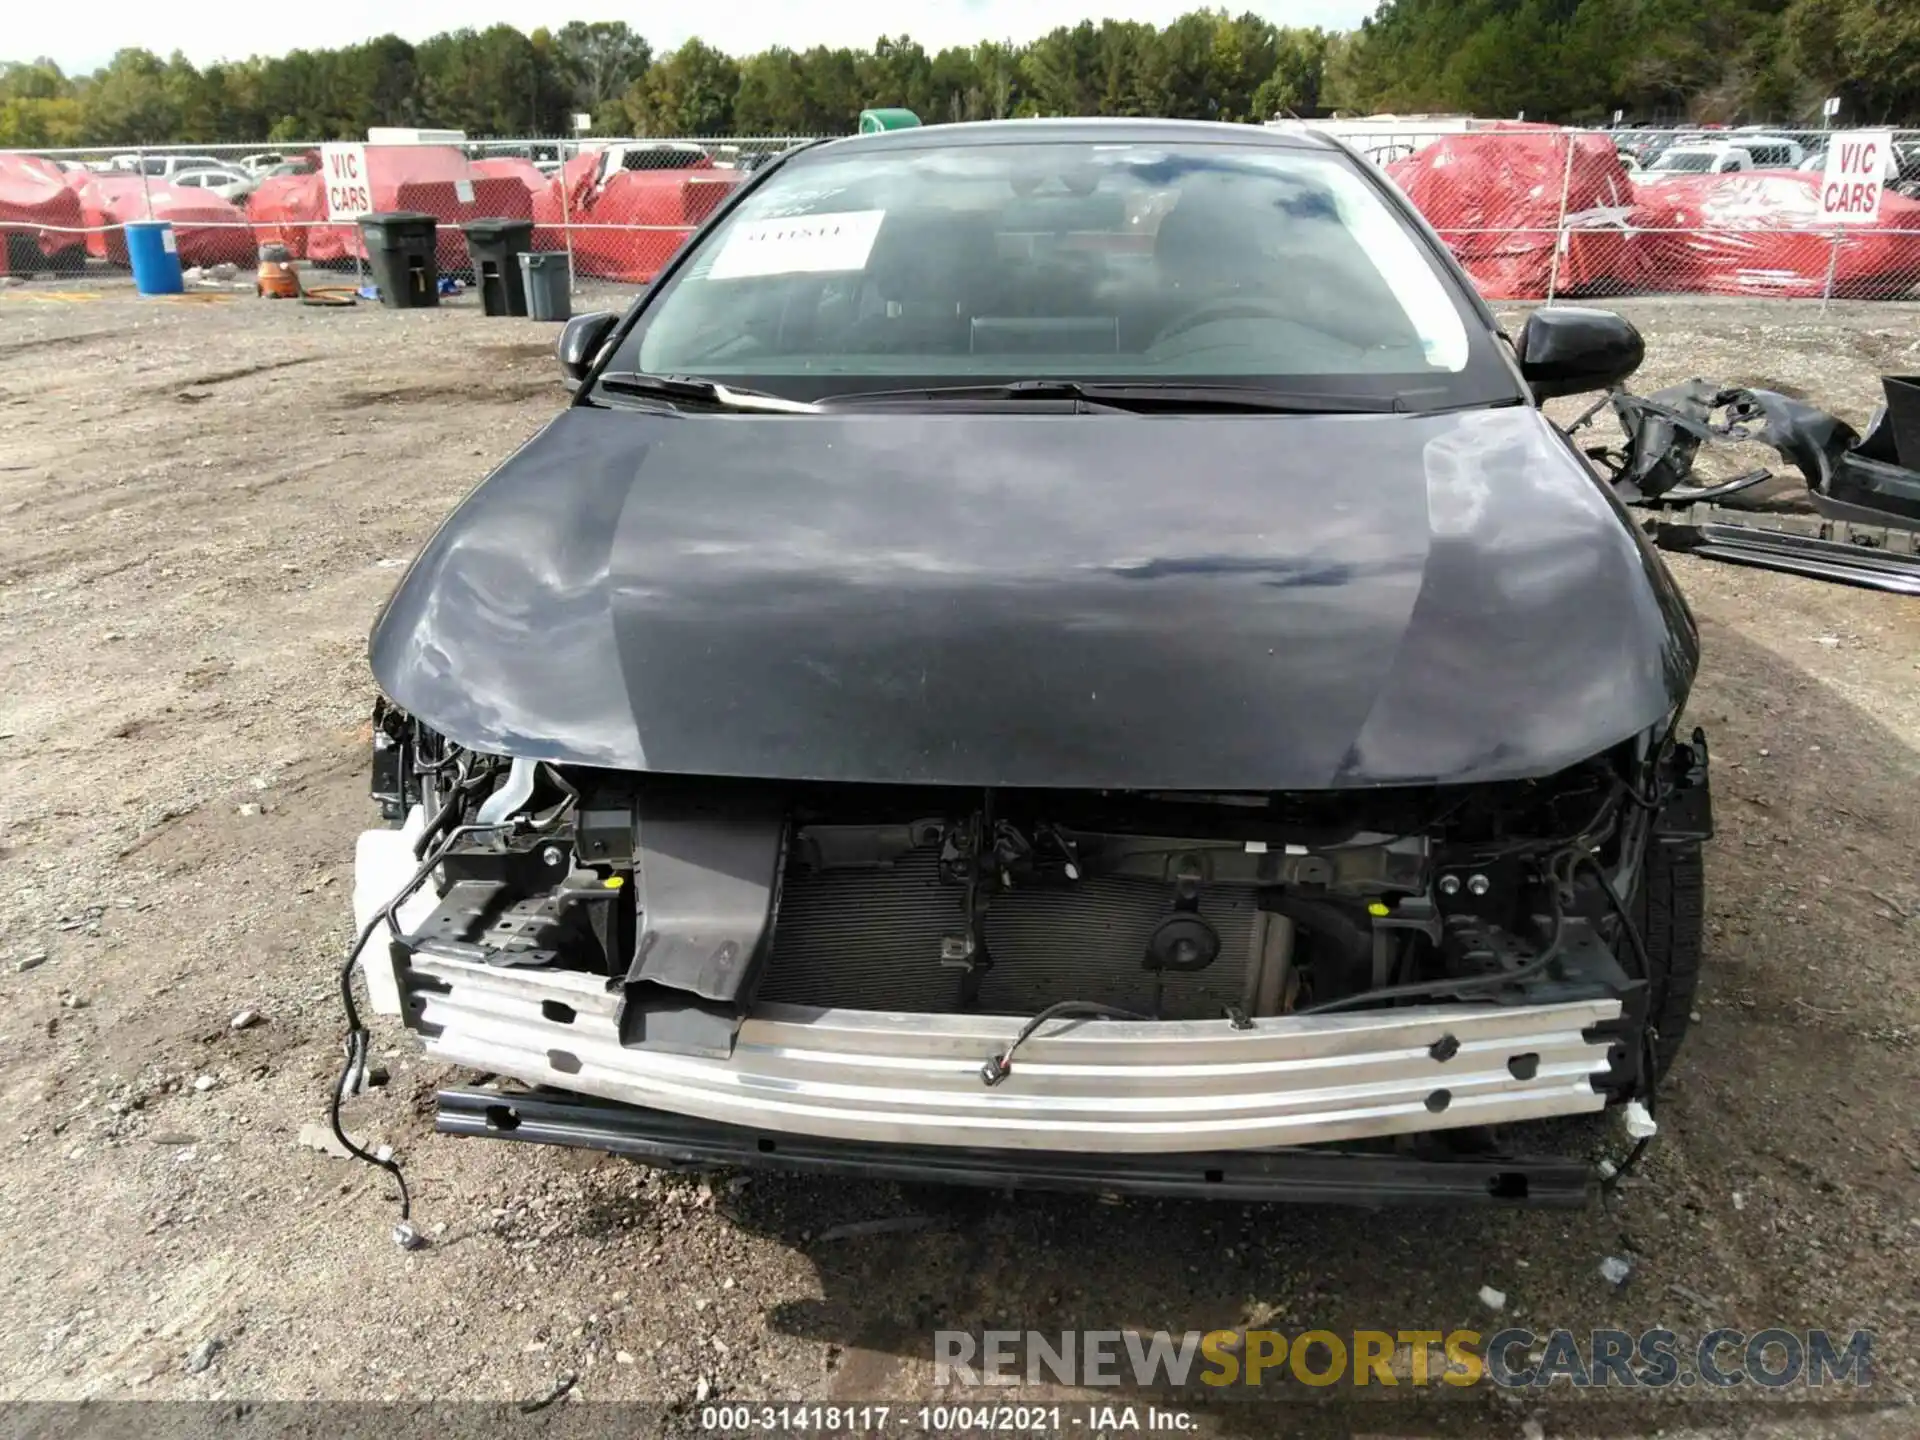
x: 982, y: 686
x: 1853, y: 480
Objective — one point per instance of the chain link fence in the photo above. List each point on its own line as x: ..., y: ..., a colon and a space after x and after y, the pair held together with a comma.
x: 618, y: 207
x: 1544, y: 213
x: 1533, y: 212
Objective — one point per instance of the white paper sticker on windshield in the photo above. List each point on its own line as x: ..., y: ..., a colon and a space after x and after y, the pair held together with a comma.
x: 798, y: 244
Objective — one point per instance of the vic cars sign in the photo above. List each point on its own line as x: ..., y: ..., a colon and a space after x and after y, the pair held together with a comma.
x: 349, y: 190
x: 1855, y: 174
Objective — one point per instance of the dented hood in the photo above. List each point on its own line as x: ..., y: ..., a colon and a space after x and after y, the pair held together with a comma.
x: 1237, y: 602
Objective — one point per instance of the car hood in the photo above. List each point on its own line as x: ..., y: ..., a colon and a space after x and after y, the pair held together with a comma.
x: 1100, y: 601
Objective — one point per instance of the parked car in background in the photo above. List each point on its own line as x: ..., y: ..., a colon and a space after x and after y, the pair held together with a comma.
x: 1640, y: 147
x: 537, y: 152
x: 1772, y: 151
x: 1805, y: 139
x: 223, y: 180
x: 1649, y: 145
x: 164, y: 167
x: 1701, y: 160
x: 654, y: 155
x: 261, y: 163
x: 1905, y: 163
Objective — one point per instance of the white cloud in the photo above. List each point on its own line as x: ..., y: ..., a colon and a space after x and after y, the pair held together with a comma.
x: 738, y: 26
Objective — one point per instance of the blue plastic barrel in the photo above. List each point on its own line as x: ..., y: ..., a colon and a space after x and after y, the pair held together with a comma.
x: 155, y: 258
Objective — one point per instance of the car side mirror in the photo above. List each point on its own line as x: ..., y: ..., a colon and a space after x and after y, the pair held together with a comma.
x: 1567, y: 349
x: 579, y: 344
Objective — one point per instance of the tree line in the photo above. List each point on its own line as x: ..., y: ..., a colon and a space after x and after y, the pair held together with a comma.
x: 499, y: 81
x: 1704, y: 60
x: 1570, y: 60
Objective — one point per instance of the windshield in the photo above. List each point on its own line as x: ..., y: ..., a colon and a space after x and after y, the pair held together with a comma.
x: 964, y: 263
x: 1689, y: 161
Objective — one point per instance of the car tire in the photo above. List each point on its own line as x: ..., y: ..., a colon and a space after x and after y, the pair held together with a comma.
x: 1668, y: 909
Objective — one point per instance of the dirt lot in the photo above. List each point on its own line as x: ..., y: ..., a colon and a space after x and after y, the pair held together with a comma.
x: 201, y: 507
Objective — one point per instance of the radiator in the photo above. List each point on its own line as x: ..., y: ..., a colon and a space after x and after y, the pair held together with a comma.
x: 870, y: 940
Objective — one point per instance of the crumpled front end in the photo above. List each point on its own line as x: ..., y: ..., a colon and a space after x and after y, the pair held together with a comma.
x: 1013, y: 978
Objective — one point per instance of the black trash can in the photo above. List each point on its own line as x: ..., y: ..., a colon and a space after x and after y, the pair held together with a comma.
x: 400, y: 252
x: 496, y: 247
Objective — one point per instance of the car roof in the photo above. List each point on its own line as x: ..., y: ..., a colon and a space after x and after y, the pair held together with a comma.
x: 1110, y: 129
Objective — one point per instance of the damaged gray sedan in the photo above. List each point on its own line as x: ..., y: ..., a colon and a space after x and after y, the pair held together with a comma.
x: 1058, y: 653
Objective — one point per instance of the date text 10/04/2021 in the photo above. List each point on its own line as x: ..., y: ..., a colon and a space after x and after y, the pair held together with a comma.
x: 963, y: 1418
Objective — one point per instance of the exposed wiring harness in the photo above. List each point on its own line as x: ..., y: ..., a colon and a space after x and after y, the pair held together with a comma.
x: 1575, y: 851
x: 998, y: 1067
x: 464, y: 780
x: 1647, y: 1090
x: 467, y: 780
x: 1632, y: 931
x: 1457, y: 987
x: 1648, y: 1097
x: 353, y: 1069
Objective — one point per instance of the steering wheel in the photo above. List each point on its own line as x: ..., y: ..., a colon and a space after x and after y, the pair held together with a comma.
x: 1214, y: 310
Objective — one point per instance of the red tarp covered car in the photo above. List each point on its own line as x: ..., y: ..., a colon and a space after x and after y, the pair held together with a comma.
x: 1495, y: 196
x: 434, y: 180
x: 628, y: 223
x: 543, y: 194
x: 1758, y: 232
x: 206, y: 228
x: 40, y: 213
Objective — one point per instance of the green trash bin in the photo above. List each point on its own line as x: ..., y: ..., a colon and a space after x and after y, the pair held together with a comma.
x: 544, y: 274
x: 496, y: 247
x: 400, y: 252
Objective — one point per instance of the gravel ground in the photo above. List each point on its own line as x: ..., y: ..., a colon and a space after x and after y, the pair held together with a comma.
x: 204, y: 504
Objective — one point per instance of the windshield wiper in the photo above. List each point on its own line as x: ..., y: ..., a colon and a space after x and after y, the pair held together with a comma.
x: 1145, y: 395
x: 704, y: 392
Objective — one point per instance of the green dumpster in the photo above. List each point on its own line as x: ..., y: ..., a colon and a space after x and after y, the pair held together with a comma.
x: 872, y: 121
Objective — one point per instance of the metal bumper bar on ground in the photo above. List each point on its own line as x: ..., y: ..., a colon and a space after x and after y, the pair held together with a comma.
x: 1110, y: 1087
x: 1794, y: 554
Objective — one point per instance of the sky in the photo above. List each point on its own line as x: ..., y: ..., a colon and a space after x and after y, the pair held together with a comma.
x: 737, y: 26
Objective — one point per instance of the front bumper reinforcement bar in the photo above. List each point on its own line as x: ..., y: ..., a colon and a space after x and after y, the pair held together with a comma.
x: 1328, y: 1177
x: 1106, y: 1087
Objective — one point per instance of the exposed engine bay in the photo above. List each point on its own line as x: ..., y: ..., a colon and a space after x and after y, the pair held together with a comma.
x: 688, y: 907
